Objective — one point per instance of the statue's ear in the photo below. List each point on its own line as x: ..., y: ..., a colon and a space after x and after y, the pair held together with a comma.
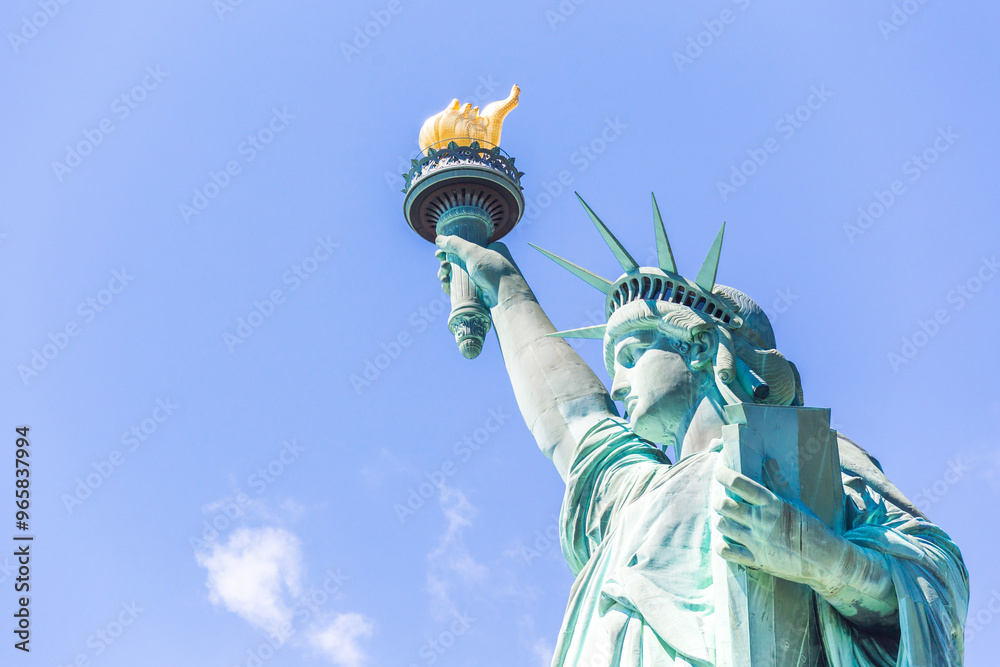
x: 702, y: 351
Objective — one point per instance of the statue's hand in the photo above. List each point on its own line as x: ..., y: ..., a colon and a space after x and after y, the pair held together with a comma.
x: 486, y: 266
x: 762, y: 531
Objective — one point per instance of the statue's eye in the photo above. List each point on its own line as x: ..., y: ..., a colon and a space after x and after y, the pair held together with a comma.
x: 629, y: 354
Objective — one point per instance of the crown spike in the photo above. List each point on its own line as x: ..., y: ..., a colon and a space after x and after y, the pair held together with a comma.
x: 578, y: 271
x: 664, y: 254
x: 706, y: 277
x: 584, y: 332
x: 621, y: 254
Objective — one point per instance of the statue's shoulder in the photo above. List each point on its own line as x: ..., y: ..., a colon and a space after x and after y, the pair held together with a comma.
x: 854, y: 457
x: 855, y: 461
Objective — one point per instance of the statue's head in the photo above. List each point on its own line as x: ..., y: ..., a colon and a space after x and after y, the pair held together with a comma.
x: 669, y: 342
x: 664, y: 358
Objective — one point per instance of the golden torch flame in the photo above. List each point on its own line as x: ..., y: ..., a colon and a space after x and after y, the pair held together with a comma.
x: 464, y: 124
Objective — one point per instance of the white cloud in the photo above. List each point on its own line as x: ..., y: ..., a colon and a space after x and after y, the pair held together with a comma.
x: 450, y: 562
x: 544, y: 651
x: 338, y: 642
x: 250, y: 574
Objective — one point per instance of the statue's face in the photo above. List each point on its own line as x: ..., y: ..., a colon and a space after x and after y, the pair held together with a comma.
x: 656, y: 384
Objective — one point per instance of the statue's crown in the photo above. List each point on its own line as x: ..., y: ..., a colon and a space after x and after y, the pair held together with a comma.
x: 659, y: 283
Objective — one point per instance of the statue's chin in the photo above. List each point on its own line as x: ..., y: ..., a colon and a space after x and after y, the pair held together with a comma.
x: 651, y: 429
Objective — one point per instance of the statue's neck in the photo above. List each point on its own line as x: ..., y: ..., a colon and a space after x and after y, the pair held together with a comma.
x: 704, y: 424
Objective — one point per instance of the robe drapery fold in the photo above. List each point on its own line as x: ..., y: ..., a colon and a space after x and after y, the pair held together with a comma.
x: 637, y: 531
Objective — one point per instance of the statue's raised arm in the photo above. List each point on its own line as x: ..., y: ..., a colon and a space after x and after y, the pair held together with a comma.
x: 559, y: 396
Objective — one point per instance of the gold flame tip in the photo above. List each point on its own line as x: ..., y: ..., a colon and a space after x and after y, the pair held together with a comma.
x: 464, y: 124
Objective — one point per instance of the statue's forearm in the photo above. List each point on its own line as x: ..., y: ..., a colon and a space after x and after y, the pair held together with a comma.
x: 560, y: 397
x: 860, y: 587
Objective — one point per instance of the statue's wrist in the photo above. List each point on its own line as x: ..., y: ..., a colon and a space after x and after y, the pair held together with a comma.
x: 833, y: 572
x: 512, y: 289
x: 852, y: 571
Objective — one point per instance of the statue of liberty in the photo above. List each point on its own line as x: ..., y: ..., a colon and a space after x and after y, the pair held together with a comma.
x: 644, y: 536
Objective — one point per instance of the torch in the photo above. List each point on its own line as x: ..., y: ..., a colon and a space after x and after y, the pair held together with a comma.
x: 463, y: 184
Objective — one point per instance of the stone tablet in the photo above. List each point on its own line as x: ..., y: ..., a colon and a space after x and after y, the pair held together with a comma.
x: 763, y: 620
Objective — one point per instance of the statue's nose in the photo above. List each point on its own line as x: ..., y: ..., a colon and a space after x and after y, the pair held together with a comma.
x: 620, y: 387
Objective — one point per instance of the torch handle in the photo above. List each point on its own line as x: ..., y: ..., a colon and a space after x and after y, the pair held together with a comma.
x: 470, y: 319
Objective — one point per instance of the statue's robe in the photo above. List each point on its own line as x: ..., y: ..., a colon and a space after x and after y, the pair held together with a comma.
x: 637, y: 533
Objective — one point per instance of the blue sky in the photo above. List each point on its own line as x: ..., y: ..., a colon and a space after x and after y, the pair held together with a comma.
x: 203, y: 252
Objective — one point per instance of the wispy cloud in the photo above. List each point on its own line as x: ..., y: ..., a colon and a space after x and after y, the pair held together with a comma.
x: 257, y: 575
x: 544, y: 651
x: 338, y: 641
x: 450, y: 562
x: 985, y: 460
x: 383, y: 466
x: 251, y: 573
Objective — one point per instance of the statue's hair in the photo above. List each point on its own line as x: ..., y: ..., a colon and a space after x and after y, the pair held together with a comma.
x: 756, y: 327
x: 678, y: 322
x: 753, y: 343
